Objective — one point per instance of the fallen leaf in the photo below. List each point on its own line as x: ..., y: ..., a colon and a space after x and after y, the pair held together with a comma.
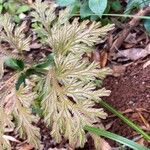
x: 141, y: 141
x: 144, y: 120
x: 118, y: 70
x: 96, y: 56
x: 99, y: 143
x: 109, y: 125
x: 128, y: 45
x: 131, y: 38
x: 10, y: 138
x: 133, y: 53
x: 35, y: 46
x: 103, y: 58
x: 105, y: 145
x: 146, y: 64
x: 26, y: 147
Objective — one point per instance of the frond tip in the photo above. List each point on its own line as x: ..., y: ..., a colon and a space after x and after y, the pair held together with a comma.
x: 14, y: 35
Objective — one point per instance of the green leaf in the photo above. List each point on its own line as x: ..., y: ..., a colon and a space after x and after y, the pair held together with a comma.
x: 147, y: 25
x: 65, y: 2
x: 115, y: 137
x: 75, y: 8
x: 23, y: 76
x: 85, y: 11
x: 48, y: 61
x: 14, y: 64
x: 16, y: 19
x: 23, y: 9
x: 136, y: 3
x: 98, y: 6
x: 36, y: 69
x: 20, y: 80
x: 116, y: 6
x: 126, y: 120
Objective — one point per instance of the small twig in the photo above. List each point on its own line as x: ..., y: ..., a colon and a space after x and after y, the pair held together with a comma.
x: 133, y: 23
x: 131, y: 111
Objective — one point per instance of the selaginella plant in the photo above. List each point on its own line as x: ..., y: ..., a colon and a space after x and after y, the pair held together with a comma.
x: 66, y: 86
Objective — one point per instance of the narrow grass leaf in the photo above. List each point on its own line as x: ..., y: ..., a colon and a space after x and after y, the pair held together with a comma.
x: 125, y: 120
x: 115, y: 137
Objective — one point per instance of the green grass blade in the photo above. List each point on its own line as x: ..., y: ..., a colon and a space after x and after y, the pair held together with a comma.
x: 126, y: 15
x: 125, y: 120
x: 115, y: 137
x: 118, y: 15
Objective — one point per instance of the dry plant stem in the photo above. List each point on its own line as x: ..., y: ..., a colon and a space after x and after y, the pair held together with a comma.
x: 134, y: 22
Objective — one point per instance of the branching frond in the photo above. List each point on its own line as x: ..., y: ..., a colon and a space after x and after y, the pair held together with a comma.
x: 14, y: 35
x: 5, y: 122
x: 23, y: 115
x: 66, y: 38
x: 72, y: 66
x: 69, y: 93
x: 18, y: 104
x: 45, y: 15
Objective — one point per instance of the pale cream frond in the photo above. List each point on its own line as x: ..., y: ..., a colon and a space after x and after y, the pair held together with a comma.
x: 14, y: 35
x: 44, y: 14
x: 17, y: 104
x: 69, y: 93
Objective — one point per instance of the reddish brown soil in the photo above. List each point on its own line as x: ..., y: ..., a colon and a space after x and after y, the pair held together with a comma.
x: 130, y: 91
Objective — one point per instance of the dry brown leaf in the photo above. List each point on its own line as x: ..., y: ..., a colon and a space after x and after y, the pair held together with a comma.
x: 26, y: 147
x: 103, y: 58
x: 141, y: 142
x: 35, y: 46
x: 118, y: 70
x: 131, y: 38
x: 146, y: 64
x: 109, y: 125
x: 96, y: 56
x: 10, y: 138
x: 144, y: 120
x: 105, y: 145
x: 133, y: 53
x: 99, y: 143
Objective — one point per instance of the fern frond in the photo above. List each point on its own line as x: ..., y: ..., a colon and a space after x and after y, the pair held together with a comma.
x: 5, y: 123
x: 69, y: 93
x: 23, y: 115
x: 72, y: 66
x: 14, y: 35
x: 83, y: 91
x: 45, y: 15
x: 18, y: 104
